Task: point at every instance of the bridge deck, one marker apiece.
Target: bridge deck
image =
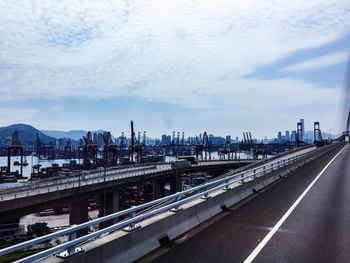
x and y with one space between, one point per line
317 230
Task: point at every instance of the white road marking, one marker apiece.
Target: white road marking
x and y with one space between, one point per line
262 244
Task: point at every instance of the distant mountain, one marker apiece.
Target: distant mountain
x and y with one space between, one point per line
74 134
27 134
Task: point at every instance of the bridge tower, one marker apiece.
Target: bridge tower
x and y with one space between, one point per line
317 132
299 138
318 140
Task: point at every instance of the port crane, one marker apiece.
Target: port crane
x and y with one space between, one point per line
135 146
14 150
89 151
110 150
204 146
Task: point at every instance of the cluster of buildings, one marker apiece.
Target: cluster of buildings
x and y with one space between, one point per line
217 140
291 136
305 136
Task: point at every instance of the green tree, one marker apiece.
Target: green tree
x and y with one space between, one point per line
37 230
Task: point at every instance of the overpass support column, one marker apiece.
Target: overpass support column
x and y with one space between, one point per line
109 204
158 189
175 184
78 213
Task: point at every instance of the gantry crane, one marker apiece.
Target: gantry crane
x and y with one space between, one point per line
89 152
135 146
204 146
110 150
15 149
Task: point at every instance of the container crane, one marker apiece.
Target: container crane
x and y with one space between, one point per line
135 146
204 146
14 150
89 150
110 150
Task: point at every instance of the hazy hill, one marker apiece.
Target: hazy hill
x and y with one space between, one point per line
27 134
74 134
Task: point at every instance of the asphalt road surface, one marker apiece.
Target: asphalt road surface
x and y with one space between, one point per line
305 217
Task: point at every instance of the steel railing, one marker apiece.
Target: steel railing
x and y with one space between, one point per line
179 199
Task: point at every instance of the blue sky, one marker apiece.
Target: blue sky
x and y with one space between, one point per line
219 66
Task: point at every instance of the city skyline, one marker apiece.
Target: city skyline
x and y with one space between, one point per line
286 135
220 67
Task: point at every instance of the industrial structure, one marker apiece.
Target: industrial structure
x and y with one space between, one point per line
204 147
15 149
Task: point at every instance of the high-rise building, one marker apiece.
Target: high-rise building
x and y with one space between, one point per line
287 136
279 136
293 136
164 139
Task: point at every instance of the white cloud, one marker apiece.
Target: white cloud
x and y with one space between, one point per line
324 61
195 54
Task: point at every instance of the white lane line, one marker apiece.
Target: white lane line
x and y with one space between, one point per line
262 244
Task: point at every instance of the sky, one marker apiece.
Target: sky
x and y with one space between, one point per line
223 66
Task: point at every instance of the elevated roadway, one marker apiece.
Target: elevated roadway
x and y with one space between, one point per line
20 201
302 218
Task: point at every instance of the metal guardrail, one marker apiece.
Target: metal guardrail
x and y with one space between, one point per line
179 199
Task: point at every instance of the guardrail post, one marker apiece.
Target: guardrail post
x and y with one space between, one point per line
71 250
132 226
242 178
206 195
176 207
226 184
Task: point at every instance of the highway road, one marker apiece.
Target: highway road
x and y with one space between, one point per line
304 217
